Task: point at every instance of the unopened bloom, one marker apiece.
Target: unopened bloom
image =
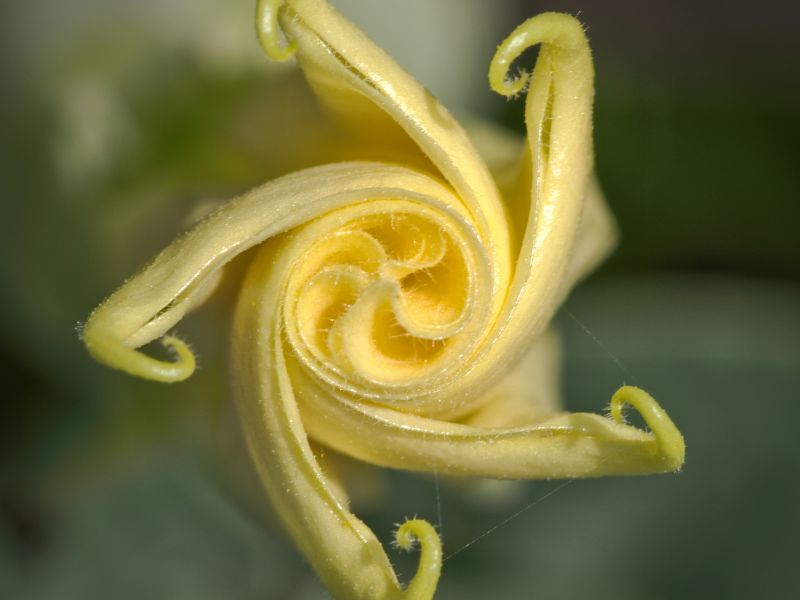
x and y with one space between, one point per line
392 304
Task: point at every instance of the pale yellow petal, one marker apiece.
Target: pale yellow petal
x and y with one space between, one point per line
558 119
149 304
530 392
508 158
344 552
377 100
595 239
564 445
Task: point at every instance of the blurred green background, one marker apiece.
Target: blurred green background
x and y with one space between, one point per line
120 118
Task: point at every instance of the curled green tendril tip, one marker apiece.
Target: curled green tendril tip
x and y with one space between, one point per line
423 585
270 34
559 30
670 441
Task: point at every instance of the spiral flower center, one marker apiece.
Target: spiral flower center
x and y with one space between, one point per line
381 296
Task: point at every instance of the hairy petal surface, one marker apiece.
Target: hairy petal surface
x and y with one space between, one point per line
375 99
390 305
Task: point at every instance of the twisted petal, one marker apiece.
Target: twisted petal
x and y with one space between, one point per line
386 303
183 275
345 553
389 113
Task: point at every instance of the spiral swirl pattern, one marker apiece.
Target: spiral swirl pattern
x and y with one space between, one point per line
387 298
383 301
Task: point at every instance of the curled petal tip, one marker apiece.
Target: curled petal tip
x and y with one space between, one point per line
115 354
269 31
423 585
504 86
560 30
184 362
670 441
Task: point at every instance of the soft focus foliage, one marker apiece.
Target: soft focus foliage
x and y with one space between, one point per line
110 486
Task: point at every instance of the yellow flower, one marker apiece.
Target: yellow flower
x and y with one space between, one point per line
387 300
